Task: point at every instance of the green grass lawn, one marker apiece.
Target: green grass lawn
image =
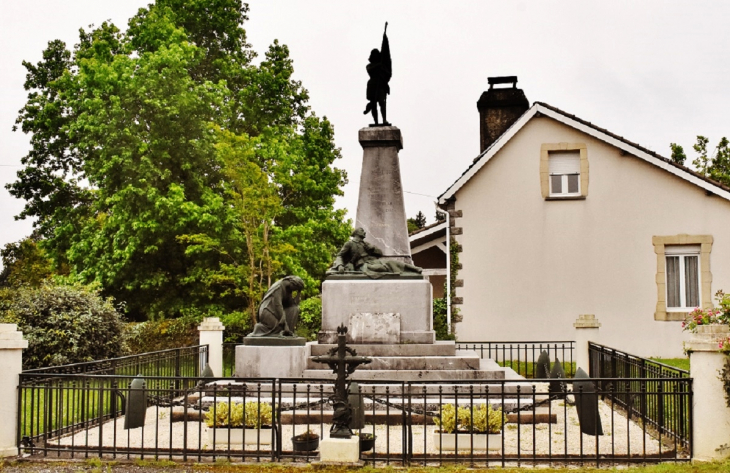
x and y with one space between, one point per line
681 363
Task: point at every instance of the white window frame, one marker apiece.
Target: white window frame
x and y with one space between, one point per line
575 154
683 252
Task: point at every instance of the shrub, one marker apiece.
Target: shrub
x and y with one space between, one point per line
253 415
238 325
447 422
225 415
256 415
713 315
310 318
64 324
481 418
440 325
154 335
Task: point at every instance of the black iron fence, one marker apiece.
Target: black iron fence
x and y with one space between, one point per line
522 356
80 415
180 362
229 359
665 408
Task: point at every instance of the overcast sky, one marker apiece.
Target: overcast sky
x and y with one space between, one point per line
654 72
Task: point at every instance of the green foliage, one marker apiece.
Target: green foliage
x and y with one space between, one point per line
714 164
237 324
440 324
252 415
440 321
154 335
256 415
447 421
416 223
678 155
482 419
24 264
479 419
225 415
712 315
412 227
64 324
179 214
310 318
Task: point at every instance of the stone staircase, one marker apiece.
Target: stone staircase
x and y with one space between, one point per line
411 362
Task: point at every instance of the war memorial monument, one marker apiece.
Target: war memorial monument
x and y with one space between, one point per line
372 288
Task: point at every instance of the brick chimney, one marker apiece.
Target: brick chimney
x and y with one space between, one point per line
499 108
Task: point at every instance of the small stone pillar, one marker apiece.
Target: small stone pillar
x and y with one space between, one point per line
11 365
211 334
711 421
586 330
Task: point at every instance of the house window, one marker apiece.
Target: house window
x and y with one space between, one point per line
683 277
564 169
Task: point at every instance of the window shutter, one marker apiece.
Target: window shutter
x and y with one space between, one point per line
564 162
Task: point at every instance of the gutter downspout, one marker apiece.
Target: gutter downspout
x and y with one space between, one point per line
448 263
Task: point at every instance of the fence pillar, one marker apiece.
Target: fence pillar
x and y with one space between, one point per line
11 365
711 414
586 330
211 334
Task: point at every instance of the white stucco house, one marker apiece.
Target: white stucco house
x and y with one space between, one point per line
557 217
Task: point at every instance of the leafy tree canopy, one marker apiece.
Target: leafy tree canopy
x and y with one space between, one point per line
714 164
171 170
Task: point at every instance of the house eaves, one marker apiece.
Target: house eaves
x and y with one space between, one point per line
543 109
431 232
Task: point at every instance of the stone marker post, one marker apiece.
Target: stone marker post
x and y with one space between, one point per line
211 334
711 415
586 330
11 365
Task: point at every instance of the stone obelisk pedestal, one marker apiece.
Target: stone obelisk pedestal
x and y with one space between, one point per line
380 209
390 310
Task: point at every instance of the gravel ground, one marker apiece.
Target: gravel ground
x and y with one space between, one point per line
621 436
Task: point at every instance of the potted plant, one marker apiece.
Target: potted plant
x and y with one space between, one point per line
367 441
480 426
305 442
225 422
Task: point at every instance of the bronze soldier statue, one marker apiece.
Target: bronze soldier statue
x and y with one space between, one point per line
359 256
380 70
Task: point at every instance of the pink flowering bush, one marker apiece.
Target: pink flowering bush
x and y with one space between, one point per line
714 315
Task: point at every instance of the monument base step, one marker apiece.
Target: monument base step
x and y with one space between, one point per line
410 363
324 387
410 375
440 348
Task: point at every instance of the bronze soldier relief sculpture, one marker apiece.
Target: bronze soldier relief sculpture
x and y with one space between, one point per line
359 256
380 70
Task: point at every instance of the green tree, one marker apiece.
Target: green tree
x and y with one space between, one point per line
24 264
139 117
678 155
714 163
416 223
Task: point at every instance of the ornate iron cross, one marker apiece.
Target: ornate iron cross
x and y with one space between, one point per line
343 361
